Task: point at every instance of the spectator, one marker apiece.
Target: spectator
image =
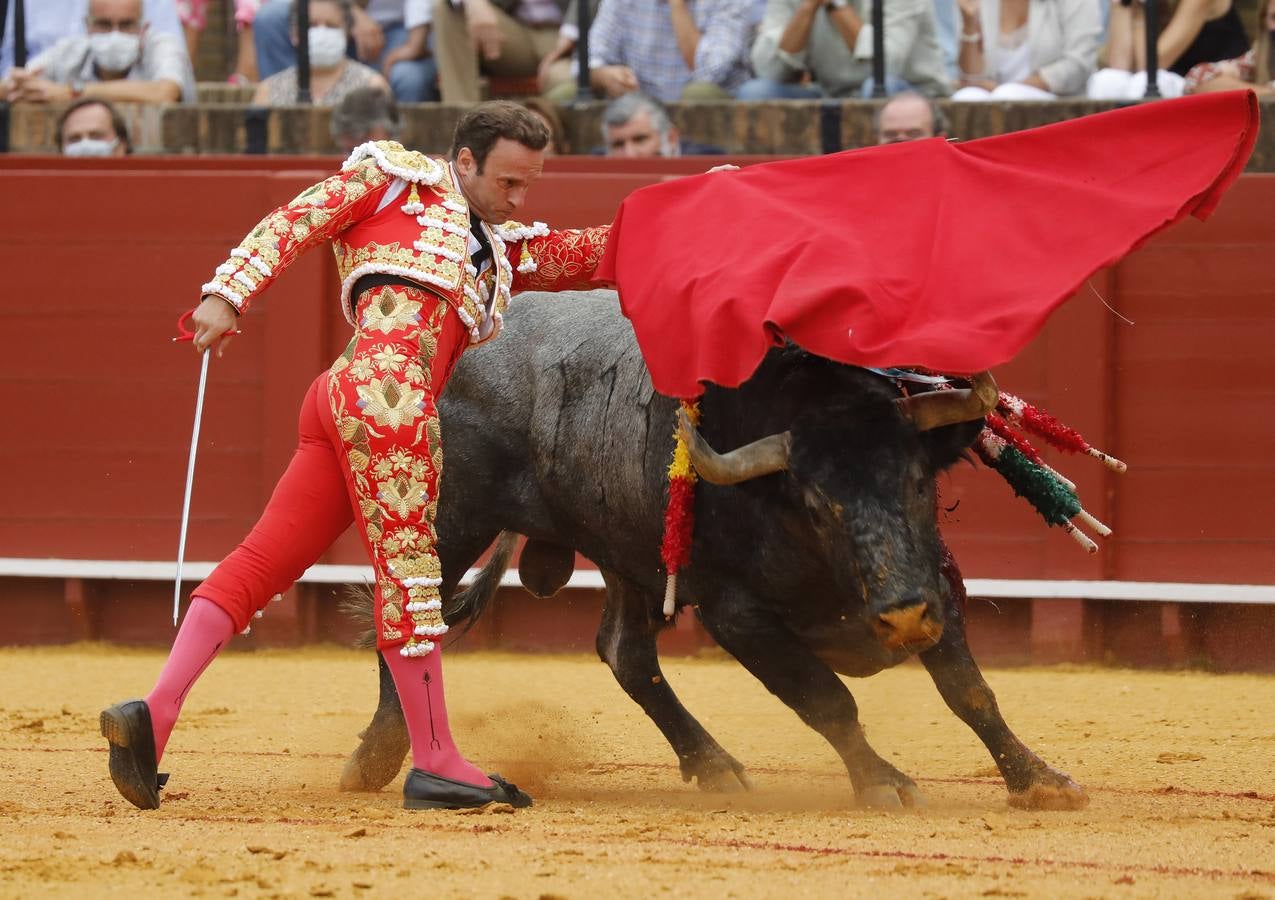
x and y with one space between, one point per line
1251 71
365 114
637 126
120 59
194 18
332 75
548 113
91 127
823 48
909 116
479 36
49 21
1198 31
668 49
634 126
391 35
1040 50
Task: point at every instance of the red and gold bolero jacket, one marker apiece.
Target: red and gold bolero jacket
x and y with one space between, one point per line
399 212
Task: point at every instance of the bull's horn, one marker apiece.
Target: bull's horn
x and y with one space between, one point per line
763 457
938 408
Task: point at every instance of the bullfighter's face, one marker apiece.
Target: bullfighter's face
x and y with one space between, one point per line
498 188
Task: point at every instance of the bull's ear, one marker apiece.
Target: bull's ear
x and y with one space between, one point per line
948 444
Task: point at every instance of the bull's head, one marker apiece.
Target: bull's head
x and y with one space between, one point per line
868 489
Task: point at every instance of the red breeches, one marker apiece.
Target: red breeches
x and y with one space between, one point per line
369 452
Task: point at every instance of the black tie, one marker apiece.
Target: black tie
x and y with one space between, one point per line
483 253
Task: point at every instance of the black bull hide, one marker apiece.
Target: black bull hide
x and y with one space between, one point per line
553 431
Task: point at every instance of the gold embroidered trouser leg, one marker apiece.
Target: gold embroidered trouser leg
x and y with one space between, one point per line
382 391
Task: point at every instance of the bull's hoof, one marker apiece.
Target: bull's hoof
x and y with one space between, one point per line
1054 791
891 796
724 782
376 761
717 772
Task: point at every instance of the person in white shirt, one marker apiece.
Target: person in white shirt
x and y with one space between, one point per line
49 21
120 59
1026 49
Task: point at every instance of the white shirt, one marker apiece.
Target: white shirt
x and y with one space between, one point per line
48 21
408 13
1013 57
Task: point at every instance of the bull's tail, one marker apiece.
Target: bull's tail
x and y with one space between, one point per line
468 604
357 605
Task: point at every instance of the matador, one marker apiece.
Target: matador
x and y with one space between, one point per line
428 258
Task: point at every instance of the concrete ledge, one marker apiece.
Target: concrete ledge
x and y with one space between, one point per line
591 579
781 128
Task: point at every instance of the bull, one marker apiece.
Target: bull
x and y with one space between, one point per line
816 552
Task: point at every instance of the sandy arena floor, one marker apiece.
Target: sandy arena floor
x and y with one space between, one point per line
1179 767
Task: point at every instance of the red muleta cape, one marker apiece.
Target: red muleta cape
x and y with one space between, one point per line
948 256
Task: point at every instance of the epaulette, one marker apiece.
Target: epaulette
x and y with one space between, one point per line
516 231
394 159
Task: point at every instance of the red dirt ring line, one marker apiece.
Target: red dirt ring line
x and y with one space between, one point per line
775 847
1167 790
1092 865
990 782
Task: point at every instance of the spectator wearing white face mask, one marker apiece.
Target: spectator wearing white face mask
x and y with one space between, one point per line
119 59
333 75
49 21
90 127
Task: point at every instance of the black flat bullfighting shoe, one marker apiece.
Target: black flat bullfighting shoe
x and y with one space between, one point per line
127 727
425 790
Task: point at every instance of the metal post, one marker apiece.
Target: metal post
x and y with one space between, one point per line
1153 63
256 120
19 34
584 18
878 48
303 52
19 57
830 126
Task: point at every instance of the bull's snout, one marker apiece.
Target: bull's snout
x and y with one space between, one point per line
912 623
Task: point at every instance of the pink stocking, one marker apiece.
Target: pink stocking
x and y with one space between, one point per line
206 629
419 680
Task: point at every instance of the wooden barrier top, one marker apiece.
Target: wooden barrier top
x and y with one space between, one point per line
783 128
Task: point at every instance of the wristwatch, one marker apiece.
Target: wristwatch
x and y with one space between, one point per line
838 4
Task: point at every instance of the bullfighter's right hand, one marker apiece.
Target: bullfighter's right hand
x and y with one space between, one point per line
213 318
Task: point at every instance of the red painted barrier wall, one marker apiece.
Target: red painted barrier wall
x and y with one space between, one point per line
99 262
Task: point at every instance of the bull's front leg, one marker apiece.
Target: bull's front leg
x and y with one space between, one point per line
1032 783
626 643
790 670
383 745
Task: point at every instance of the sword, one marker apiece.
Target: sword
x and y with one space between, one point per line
190 482
185 334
